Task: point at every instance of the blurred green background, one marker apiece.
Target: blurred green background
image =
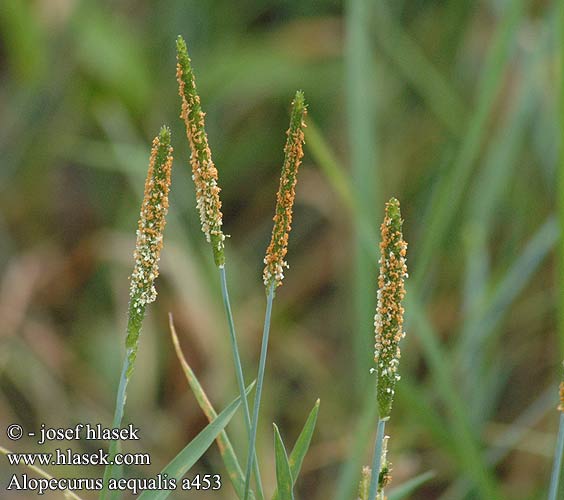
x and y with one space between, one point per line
449 105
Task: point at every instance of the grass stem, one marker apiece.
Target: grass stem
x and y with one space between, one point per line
260 379
377 458
110 470
239 372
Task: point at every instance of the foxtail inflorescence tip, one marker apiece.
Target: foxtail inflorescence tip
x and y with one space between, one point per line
388 320
204 172
275 264
149 235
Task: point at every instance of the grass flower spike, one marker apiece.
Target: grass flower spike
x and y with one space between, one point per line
149 238
145 271
205 177
293 153
388 321
388 324
204 172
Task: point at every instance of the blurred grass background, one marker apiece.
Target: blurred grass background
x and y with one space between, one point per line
449 105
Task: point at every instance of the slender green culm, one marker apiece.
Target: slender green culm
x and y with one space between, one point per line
276 252
239 371
293 153
146 268
388 325
204 172
258 394
558 452
377 459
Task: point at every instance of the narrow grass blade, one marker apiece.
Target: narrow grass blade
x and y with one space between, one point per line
418 70
557 464
234 471
468 451
483 324
302 445
339 180
192 452
284 481
410 486
504 444
500 162
66 493
361 135
496 303
445 203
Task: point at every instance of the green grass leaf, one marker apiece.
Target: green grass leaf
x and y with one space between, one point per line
234 471
418 70
448 195
68 494
468 454
192 452
303 441
284 479
302 445
410 486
